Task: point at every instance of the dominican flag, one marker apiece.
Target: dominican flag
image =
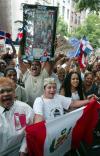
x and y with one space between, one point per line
19 37
81 50
85 50
74 42
58 136
74 53
6 36
82 57
86 46
76 45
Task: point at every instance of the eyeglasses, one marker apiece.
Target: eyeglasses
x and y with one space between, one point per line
3 90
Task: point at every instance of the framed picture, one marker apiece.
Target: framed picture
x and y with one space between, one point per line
39 30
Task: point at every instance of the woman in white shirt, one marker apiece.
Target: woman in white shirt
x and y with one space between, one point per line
72 86
51 105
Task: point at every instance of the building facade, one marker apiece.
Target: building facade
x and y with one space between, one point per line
11 14
5 15
69 14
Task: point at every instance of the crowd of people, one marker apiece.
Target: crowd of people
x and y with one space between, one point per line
33 91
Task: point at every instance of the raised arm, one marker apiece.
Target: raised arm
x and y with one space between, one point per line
23 68
48 66
13 48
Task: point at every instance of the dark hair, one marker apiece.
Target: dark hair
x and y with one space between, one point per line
67 85
88 73
9 69
36 60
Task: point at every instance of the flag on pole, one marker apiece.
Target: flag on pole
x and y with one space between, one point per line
85 50
82 57
58 136
82 48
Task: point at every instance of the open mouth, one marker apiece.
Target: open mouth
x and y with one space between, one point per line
52 94
89 83
7 101
7 98
34 69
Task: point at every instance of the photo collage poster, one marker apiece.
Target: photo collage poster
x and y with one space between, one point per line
39 30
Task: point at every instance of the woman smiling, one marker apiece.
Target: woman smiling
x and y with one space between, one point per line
51 105
72 86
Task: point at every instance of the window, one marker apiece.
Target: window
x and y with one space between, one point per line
75 18
67 13
72 16
78 19
58 4
63 11
37 3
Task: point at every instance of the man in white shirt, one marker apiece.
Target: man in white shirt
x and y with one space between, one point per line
14 116
33 81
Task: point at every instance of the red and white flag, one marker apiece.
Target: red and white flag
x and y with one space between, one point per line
58 136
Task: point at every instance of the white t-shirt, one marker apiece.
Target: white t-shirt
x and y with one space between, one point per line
34 85
75 96
51 108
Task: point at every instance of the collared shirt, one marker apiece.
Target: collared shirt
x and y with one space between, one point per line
12 125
